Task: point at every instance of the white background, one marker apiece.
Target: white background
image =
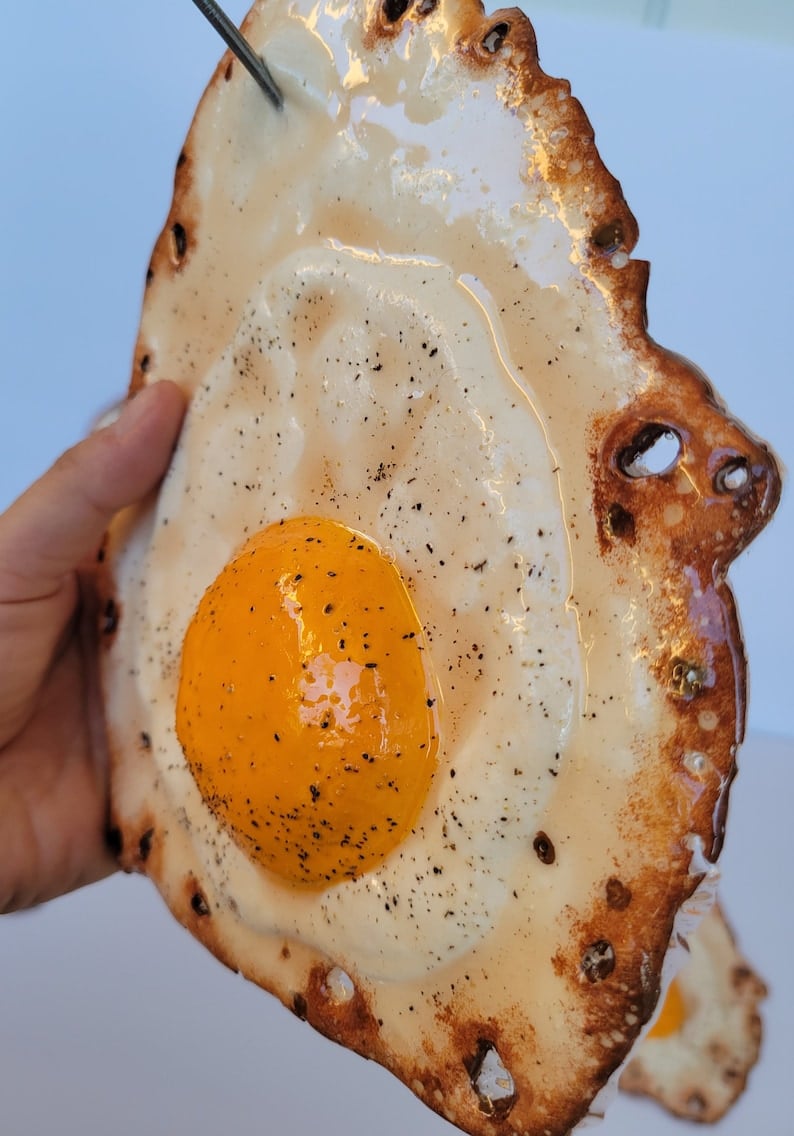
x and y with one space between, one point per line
111 1018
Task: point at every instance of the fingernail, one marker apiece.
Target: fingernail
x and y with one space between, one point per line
107 416
128 414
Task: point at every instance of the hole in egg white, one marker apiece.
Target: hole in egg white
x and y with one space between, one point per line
199 904
608 237
598 961
338 986
654 451
394 10
491 1081
494 40
544 849
732 477
145 845
687 679
179 239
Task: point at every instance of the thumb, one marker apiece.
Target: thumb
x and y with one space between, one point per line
58 523
61 519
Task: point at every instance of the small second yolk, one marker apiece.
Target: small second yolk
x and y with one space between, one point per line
672 1015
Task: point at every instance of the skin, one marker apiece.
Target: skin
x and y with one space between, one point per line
53 768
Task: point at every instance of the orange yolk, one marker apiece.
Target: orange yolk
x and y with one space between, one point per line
673 1014
307 711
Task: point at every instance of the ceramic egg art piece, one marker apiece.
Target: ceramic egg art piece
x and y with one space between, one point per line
424 683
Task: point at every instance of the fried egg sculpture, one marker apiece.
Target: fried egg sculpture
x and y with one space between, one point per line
424 684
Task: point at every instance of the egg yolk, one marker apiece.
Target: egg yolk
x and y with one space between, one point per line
307 709
673 1013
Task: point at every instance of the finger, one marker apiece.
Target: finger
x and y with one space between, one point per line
61 519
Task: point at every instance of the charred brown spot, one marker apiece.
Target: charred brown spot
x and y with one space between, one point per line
687 679
199 903
114 840
598 961
145 845
300 1006
394 10
620 523
149 275
229 71
618 895
181 159
494 39
609 237
110 617
179 238
145 362
286 953
544 849
145 740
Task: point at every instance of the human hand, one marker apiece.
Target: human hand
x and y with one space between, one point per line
53 780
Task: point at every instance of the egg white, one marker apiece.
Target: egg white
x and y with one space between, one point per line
370 389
